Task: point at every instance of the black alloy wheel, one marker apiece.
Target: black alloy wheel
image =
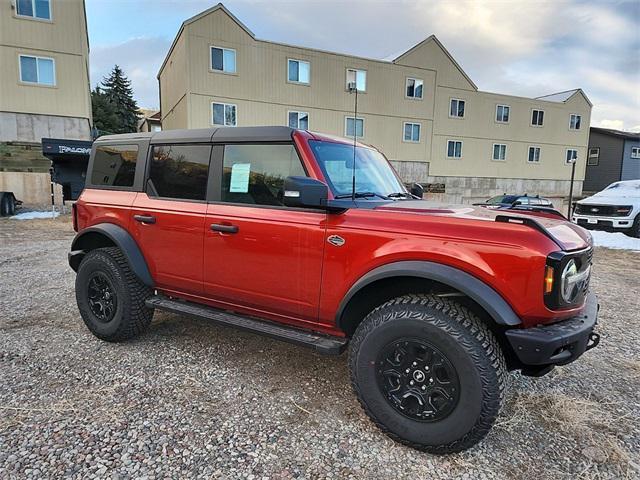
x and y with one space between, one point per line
101 297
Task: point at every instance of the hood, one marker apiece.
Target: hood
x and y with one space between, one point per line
565 234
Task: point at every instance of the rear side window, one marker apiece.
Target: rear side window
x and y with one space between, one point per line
114 165
179 171
255 174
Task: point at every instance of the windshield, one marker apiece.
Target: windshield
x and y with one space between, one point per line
373 172
502 199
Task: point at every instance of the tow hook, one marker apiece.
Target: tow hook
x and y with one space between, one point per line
594 340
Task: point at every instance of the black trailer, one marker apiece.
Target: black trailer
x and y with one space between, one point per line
69 160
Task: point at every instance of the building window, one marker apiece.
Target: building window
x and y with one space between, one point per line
224 114
298 71
534 155
359 77
411 132
571 154
537 117
574 121
499 151
454 149
34 9
594 156
456 108
354 127
38 70
223 60
502 113
299 120
635 152
414 88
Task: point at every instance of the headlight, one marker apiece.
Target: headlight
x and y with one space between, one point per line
568 287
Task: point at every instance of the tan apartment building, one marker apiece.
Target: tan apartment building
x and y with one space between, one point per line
421 109
44 88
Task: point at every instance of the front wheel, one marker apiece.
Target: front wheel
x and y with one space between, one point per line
428 372
110 297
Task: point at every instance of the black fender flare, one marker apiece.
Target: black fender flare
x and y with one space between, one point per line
83 242
476 289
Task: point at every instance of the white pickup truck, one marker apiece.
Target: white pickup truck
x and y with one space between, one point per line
616 208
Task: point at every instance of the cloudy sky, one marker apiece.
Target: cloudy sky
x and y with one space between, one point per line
518 47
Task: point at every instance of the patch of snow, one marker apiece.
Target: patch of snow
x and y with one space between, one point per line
617 240
35 215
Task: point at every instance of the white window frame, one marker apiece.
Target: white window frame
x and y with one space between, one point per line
454 148
566 162
637 154
33 9
534 162
346 77
299 61
496 116
571 115
299 113
457 100
531 117
355 126
493 151
404 124
406 85
235 54
224 113
37 83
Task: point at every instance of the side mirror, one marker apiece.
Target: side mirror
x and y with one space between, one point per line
417 190
305 192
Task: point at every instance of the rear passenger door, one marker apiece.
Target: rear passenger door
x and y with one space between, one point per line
168 216
261 257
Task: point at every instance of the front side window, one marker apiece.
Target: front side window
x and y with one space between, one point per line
359 77
299 120
34 9
635 152
574 121
372 171
255 174
454 149
502 113
223 59
456 108
38 70
354 127
114 165
224 114
537 118
414 88
571 154
179 171
499 151
411 132
299 71
534 155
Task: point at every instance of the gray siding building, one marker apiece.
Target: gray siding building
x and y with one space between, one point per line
612 156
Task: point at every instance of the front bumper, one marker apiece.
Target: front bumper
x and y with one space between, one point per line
602 223
559 343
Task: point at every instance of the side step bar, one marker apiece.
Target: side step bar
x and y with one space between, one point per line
320 343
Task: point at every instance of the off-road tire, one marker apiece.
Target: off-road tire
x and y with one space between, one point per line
7 205
131 315
467 343
634 231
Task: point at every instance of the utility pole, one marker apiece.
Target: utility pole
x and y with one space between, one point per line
573 160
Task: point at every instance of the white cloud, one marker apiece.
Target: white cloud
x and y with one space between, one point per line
614 124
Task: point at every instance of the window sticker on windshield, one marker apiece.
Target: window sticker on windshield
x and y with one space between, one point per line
240 178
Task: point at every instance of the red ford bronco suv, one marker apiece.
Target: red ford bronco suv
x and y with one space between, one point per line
265 229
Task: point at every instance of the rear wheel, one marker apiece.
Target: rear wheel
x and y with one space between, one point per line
110 297
428 372
7 205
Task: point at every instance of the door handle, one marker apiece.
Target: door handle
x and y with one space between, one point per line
216 227
147 219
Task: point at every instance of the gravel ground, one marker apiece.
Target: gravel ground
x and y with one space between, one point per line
192 400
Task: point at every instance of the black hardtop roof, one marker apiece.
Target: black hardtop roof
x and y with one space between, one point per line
214 134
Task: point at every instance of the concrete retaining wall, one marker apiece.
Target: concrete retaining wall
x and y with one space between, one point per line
32 188
28 127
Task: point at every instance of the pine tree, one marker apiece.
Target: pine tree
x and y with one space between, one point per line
121 110
105 119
